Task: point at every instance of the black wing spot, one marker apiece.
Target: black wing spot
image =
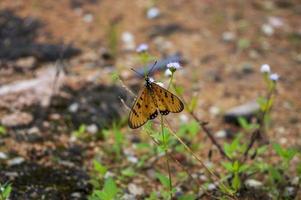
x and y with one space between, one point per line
165 94
172 98
135 112
146 106
138 104
164 112
154 115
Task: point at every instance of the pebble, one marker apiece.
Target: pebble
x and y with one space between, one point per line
33 130
267 29
132 159
252 183
247 68
153 13
246 110
228 36
221 134
93 129
128 197
214 111
184 118
3 156
290 191
27 63
76 195
211 186
17 119
73 108
15 161
128 41
135 189
88 18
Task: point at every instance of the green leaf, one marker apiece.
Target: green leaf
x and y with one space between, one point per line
2 130
164 180
236 183
275 174
99 167
187 197
129 172
110 190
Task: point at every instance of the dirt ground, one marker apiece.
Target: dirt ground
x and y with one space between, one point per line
222 46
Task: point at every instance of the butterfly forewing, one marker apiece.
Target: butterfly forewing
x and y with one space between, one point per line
166 101
143 109
152 100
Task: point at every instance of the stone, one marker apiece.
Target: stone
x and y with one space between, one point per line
17 119
15 161
26 63
153 13
93 129
3 156
228 36
247 111
128 40
135 189
252 183
221 134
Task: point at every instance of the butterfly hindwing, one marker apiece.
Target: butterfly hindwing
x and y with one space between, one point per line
143 109
166 101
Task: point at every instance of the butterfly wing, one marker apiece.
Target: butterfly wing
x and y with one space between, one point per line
143 109
166 101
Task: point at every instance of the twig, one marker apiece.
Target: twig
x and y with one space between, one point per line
258 133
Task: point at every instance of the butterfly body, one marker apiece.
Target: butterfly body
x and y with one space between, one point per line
152 100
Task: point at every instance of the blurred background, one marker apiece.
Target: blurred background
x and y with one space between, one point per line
64 66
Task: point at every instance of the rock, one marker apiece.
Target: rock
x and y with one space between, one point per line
88 18
128 197
247 69
93 129
228 36
252 183
38 90
211 186
214 111
15 161
3 156
76 195
128 41
153 13
221 134
135 189
290 191
17 119
132 159
247 111
267 29
26 63
73 108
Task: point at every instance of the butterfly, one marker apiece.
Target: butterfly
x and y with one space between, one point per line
152 100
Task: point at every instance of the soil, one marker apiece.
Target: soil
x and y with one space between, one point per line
222 46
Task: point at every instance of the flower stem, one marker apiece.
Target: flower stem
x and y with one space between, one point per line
166 155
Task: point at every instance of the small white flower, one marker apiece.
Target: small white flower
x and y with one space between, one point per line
153 13
142 48
168 73
160 84
174 65
151 79
274 77
265 68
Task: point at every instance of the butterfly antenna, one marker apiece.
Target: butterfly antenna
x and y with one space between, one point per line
150 71
137 72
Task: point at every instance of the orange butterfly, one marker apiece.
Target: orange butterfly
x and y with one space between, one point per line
152 100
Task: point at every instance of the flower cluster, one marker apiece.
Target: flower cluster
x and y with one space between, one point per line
171 68
266 69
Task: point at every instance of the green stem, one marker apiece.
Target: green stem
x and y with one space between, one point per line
166 155
170 81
